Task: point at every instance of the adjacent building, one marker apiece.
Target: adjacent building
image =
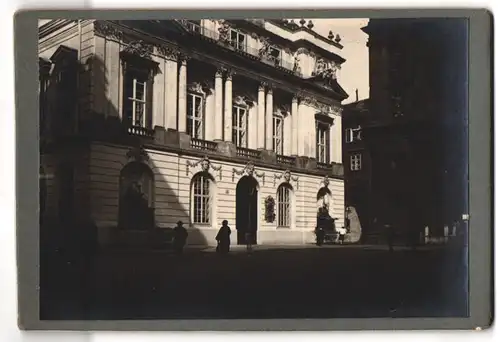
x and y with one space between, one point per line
405 148
147 123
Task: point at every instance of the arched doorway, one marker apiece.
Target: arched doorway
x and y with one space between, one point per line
246 209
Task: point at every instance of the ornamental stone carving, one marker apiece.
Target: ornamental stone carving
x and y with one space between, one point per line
107 30
224 29
139 48
287 176
325 69
205 164
169 52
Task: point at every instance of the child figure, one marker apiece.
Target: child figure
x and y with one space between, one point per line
223 238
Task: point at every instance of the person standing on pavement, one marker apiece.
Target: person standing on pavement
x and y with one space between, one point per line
180 238
223 238
390 236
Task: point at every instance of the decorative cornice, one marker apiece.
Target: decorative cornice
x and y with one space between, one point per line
169 52
183 58
206 165
287 176
139 48
108 30
250 171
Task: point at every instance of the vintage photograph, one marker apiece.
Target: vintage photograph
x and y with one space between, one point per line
253 168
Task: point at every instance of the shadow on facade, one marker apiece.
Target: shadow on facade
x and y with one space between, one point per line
133 200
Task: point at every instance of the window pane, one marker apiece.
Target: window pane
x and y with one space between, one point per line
198 130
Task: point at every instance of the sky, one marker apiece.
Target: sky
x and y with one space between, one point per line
354 73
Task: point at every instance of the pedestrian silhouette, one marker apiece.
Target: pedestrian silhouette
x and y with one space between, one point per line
223 238
180 237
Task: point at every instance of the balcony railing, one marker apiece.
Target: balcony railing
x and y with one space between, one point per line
224 40
285 160
247 153
323 166
203 145
141 131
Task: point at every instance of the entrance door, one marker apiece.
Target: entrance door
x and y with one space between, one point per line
246 209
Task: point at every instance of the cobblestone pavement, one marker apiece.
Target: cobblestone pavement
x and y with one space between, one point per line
272 282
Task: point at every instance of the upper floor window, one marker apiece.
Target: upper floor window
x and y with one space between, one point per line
352 134
237 39
240 118
137 97
275 54
356 162
278 133
195 116
322 142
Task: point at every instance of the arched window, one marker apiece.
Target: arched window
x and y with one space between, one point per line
284 205
201 194
136 197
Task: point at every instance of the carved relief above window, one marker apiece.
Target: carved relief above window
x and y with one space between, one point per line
108 30
200 88
139 48
169 52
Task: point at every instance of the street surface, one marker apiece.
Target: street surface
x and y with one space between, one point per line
274 282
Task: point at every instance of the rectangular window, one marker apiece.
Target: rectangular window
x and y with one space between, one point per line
195 116
356 162
201 196
275 55
136 91
283 207
278 134
352 134
239 137
237 39
322 142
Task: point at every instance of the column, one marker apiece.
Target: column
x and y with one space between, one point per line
269 119
171 73
287 135
261 117
159 95
253 127
181 123
218 125
228 107
333 143
295 126
312 134
301 130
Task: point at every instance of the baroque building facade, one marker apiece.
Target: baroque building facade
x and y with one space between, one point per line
147 123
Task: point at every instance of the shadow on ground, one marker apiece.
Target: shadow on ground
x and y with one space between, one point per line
348 282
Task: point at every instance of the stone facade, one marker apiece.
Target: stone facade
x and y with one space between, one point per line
192 110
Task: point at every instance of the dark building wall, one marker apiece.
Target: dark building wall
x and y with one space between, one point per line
416 133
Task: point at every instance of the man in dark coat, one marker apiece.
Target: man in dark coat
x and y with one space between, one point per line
180 237
223 238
